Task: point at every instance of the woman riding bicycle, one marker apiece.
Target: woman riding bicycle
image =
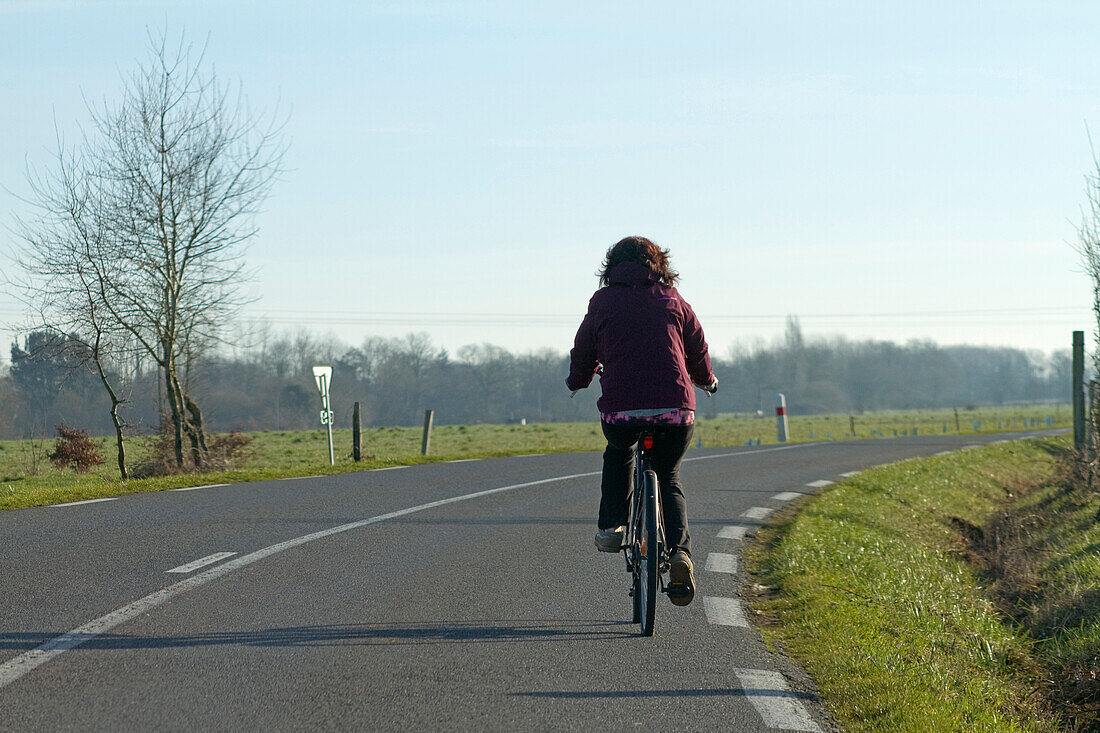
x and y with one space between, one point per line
652 350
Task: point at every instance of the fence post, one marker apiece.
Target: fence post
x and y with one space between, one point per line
356 435
782 427
1079 390
426 444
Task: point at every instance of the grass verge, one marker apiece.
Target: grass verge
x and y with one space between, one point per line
907 594
28 479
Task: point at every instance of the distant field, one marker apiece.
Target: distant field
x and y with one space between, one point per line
27 478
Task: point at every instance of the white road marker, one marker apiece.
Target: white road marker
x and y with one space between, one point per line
757 512
196 488
86 501
720 562
724 612
202 562
819 484
463 460
851 473
770 695
787 496
389 468
733 532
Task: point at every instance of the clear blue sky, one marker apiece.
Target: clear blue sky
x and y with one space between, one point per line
888 170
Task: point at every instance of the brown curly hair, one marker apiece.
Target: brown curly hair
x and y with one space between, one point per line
642 251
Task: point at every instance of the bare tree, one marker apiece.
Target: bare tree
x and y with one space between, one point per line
152 212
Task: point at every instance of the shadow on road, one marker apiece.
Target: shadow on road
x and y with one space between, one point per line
351 635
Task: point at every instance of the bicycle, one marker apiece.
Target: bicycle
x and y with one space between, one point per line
644 545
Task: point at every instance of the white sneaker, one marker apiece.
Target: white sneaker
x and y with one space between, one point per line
610 539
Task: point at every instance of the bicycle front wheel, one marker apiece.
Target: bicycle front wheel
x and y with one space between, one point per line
650 555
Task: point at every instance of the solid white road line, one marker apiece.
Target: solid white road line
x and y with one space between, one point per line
787 496
720 562
202 562
757 512
748 452
86 501
15 668
733 532
770 695
196 488
819 484
724 612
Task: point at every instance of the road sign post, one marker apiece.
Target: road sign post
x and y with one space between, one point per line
322 375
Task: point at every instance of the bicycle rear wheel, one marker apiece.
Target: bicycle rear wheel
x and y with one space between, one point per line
650 555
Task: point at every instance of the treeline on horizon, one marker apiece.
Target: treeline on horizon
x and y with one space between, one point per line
269 386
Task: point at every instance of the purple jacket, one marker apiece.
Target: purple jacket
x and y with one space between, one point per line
649 342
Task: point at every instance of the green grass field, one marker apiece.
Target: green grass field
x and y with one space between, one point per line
953 593
27 478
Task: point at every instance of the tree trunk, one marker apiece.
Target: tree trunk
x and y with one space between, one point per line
196 421
172 391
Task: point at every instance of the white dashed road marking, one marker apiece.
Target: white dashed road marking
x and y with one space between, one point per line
202 562
86 501
787 496
757 512
819 484
778 706
389 468
850 474
720 562
732 532
724 612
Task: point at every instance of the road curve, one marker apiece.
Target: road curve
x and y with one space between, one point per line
461 596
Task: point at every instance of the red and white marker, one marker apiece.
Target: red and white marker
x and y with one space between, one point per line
781 426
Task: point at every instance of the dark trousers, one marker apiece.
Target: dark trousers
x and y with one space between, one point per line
618 467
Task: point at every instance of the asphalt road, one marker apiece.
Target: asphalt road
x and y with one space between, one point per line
394 600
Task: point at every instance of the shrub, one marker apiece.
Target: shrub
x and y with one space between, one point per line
74 449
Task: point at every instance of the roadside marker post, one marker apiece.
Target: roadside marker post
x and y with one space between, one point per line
782 427
1079 390
322 375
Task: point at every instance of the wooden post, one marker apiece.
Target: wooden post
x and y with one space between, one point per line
426 444
356 435
1079 390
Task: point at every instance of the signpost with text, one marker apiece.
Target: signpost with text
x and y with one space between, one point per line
323 376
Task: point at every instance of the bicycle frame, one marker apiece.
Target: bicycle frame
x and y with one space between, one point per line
644 589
